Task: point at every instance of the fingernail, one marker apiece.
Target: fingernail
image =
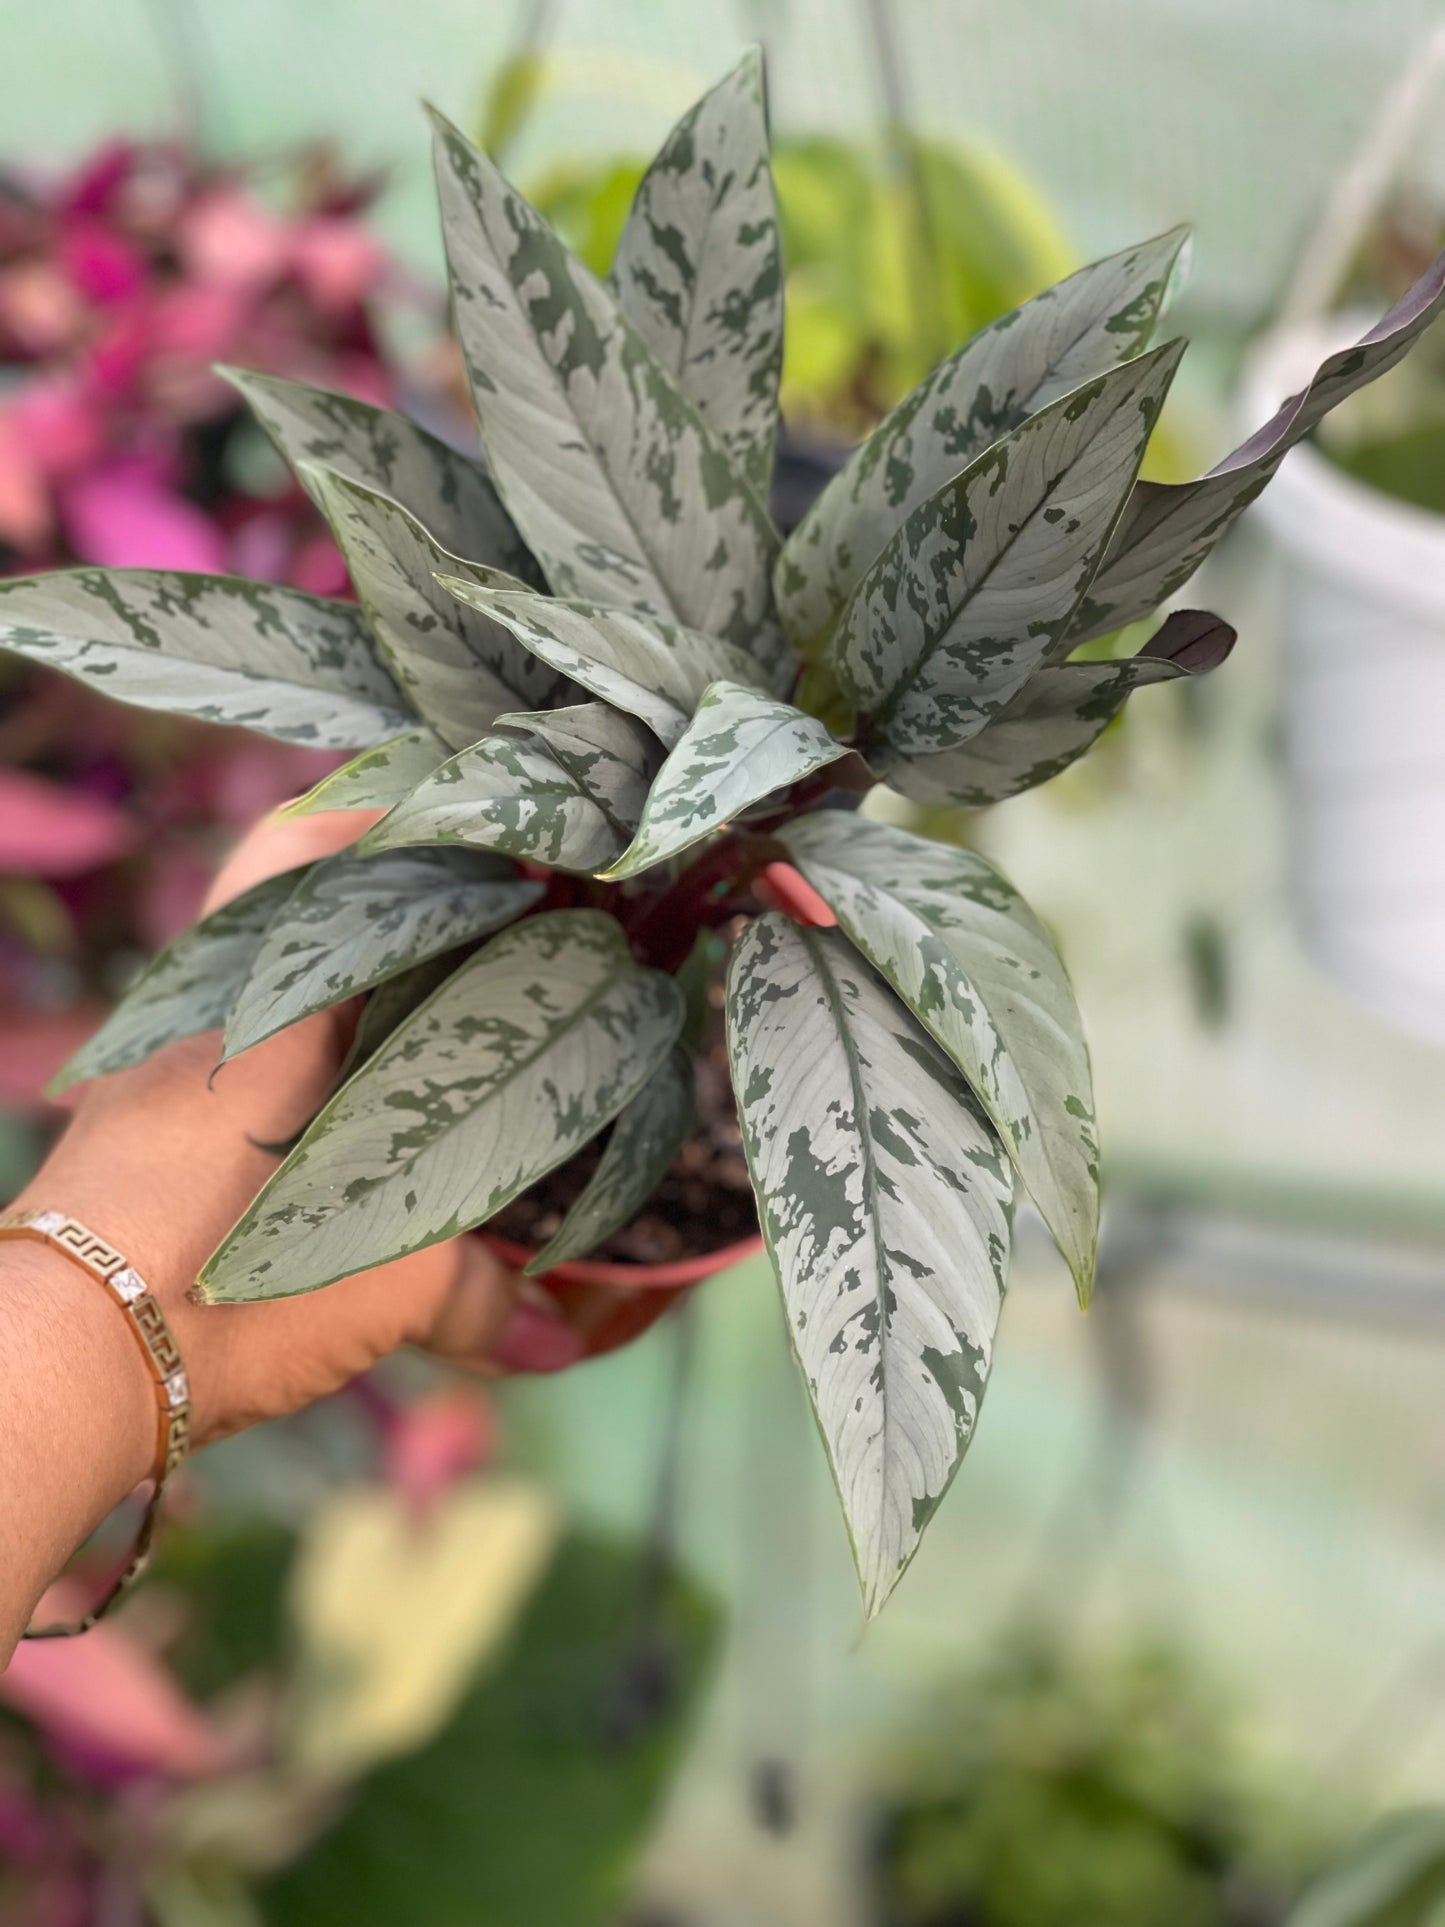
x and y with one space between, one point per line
537 1338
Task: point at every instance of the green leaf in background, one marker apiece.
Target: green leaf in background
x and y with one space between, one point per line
967 599
615 480
448 493
886 1203
376 778
357 919
534 1804
1393 1877
981 974
1169 528
190 987
298 667
654 670
699 269
516 1062
645 1139
459 670
1098 318
563 787
1057 715
740 747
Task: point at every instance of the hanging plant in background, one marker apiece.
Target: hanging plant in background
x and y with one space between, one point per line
571 675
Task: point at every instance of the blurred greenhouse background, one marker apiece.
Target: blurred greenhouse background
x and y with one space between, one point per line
1207 1522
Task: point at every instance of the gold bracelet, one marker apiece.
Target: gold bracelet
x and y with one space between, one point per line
147 1322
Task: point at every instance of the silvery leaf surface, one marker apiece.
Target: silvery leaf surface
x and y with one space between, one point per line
460 670
622 491
1097 318
978 585
740 747
188 988
655 671
376 778
979 971
699 267
1169 528
521 1057
886 1204
564 787
391 1003
448 492
1057 715
645 1139
359 918
298 667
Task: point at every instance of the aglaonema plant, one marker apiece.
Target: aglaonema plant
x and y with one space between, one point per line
606 710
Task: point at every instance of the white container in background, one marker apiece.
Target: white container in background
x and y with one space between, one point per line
1362 609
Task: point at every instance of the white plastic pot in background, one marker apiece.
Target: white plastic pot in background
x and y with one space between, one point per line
1362 608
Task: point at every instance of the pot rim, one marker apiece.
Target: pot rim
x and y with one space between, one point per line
603 1271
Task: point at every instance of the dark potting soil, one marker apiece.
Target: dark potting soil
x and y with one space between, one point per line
704 1202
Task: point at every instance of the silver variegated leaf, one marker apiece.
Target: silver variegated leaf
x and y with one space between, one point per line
376 778
740 747
886 1203
390 1004
190 987
1170 527
699 268
460 670
1065 336
653 670
360 918
979 583
564 787
518 1060
645 1139
620 488
1057 715
447 492
299 667
981 974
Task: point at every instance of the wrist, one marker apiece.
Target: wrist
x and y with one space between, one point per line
77 1415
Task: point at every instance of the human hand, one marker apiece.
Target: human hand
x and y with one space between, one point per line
160 1160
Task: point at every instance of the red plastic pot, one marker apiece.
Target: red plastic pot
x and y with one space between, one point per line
611 1304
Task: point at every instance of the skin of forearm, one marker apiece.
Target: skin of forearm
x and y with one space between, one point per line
77 1421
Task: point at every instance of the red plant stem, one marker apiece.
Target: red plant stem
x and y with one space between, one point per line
663 934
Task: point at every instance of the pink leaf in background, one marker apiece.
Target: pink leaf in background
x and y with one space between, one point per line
112 1707
24 498
102 264
337 261
429 1445
49 831
117 518
33 1046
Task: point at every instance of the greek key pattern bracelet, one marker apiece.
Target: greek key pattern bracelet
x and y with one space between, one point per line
109 1268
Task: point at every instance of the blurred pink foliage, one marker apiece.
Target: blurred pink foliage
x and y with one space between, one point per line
120 284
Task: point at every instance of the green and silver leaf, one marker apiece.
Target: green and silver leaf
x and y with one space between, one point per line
298 667
1097 318
518 1060
980 582
653 670
740 747
449 493
645 1139
460 670
981 974
360 918
1057 715
699 267
188 988
377 778
623 492
886 1203
1169 528
564 787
